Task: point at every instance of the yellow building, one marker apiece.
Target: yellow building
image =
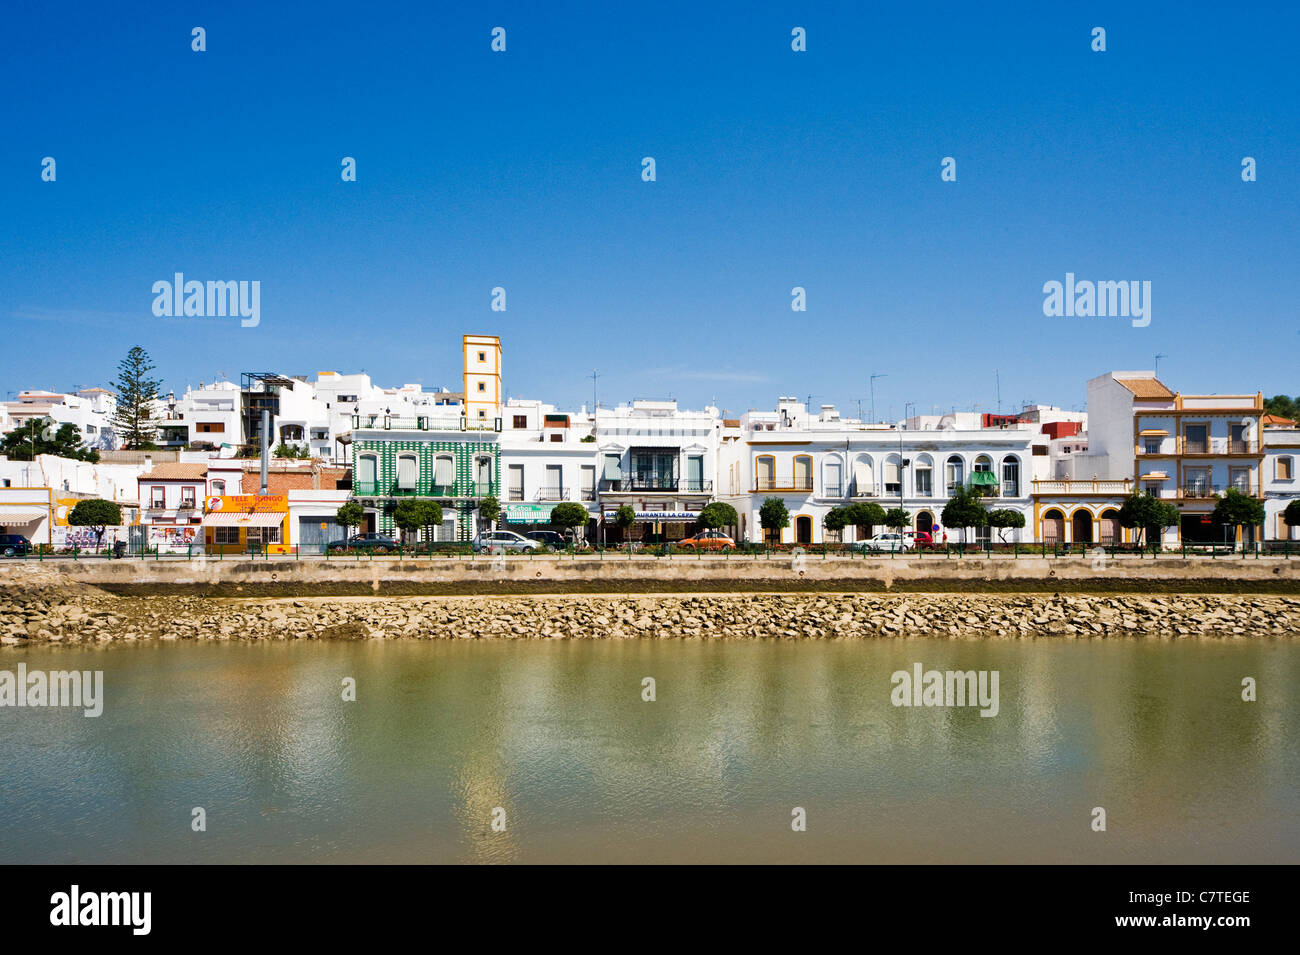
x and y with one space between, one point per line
482 382
247 523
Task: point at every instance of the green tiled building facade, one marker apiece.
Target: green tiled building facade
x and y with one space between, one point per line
460 496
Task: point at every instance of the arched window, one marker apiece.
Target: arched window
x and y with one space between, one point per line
1109 532
444 470
954 473
483 473
1053 527
832 478
366 472
1011 476
892 476
923 477
408 471
864 479
802 472
765 471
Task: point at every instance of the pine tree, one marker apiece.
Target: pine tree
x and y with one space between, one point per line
136 393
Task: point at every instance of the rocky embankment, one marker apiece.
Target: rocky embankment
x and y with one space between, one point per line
85 614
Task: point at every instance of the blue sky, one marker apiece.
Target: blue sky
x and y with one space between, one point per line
775 169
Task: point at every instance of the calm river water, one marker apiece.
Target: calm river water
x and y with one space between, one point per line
558 736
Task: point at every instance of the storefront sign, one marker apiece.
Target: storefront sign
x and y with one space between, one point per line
528 513
661 515
249 502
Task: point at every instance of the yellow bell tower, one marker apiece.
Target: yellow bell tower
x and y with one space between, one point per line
482 381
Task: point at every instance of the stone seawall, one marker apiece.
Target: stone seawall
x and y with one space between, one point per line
521 576
79 615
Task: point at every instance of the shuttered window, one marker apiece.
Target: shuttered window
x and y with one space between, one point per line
613 471
366 469
407 472
863 482
831 479
444 471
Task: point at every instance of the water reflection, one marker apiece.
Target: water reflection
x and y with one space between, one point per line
558 736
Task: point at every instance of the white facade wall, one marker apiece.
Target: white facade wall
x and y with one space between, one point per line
89 411
817 464
660 460
1280 479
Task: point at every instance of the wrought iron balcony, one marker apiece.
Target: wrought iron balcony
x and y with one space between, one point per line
792 483
384 422
655 483
1200 490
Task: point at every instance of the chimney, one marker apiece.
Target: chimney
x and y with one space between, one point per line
266 445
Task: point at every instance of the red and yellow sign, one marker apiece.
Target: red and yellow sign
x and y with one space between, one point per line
255 523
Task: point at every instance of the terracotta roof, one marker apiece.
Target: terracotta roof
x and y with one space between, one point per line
1146 387
175 471
1277 421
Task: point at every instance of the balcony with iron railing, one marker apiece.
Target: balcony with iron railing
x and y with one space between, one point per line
794 482
384 422
551 492
1217 445
1203 490
655 483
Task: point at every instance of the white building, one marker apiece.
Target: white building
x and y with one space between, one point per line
39 495
89 410
1181 447
1280 479
660 460
816 463
172 501
547 457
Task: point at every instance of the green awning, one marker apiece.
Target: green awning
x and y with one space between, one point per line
528 513
983 477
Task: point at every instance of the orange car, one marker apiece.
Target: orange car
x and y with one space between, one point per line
707 540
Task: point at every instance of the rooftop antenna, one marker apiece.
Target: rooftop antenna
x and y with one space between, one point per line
593 376
997 377
1156 363
873 395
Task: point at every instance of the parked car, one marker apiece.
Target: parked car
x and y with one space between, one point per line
548 538
707 540
14 545
507 540
920 539
884 542
376 543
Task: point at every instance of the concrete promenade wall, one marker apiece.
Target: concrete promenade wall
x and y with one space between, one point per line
736 573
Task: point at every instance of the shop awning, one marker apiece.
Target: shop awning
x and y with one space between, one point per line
1154 476
528 513
987 478
244 519
1154 433
16 517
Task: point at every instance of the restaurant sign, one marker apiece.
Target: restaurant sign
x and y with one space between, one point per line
661 515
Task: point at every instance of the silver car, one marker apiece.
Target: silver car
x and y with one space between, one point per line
895 543
503 540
